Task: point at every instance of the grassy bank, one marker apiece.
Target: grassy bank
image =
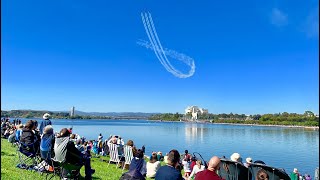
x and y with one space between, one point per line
9 160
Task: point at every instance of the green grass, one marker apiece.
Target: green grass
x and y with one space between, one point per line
9 160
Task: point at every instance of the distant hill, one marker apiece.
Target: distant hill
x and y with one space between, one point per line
39 113
115 114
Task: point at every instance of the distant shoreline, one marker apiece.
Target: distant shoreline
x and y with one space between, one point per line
267 125
271 125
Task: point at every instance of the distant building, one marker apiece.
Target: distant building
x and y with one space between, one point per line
248 117
72 112
195 111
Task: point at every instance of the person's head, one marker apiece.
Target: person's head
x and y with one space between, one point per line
29 125
249 160
139 154
173 157
262 175
114 140
35 124
78 142
236 157
193 158
295 170
46 116
213 164
199 163
130 143
20 126
72 136
186 151
153 158
64 132
48 130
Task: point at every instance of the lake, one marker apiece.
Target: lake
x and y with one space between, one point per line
280 147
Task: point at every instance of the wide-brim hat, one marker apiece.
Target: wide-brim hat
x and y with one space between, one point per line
235 157
46 116
249 160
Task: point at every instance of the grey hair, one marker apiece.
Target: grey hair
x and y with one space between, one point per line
48 129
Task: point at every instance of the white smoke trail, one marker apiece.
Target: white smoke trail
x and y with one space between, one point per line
151 38
155 43
161 53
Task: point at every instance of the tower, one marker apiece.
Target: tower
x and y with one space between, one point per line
72 111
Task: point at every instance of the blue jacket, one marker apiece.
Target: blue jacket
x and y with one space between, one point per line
43 124
47 142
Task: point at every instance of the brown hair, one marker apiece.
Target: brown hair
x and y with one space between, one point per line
130 143
262 175
153 158
139 153
29 125
64 132
173 157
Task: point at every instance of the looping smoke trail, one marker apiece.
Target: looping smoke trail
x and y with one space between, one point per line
161 53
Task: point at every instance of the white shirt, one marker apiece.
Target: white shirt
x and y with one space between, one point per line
195 170
152 168
186 166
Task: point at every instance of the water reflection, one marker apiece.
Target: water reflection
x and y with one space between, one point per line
193 133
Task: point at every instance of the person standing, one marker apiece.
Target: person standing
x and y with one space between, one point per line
45 122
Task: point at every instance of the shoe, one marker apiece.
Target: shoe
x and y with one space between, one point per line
93 171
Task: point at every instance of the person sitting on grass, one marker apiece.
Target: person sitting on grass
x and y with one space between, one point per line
153 165
210 173
186 166
197 168
171 170
159 156
79 145
12 135
65 151
193 162
19 132
138 163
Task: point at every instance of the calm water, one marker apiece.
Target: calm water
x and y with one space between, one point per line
277 146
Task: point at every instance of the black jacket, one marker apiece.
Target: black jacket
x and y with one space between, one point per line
27 137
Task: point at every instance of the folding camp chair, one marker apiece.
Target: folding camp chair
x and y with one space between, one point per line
273 173
27 156
66 169
230 170
128 155
114 156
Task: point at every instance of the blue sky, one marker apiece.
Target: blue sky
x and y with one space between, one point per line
250 56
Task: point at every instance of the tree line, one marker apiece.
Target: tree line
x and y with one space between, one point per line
285 118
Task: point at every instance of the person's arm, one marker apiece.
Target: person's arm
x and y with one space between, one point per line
193 172
41 127
158 166
144 168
